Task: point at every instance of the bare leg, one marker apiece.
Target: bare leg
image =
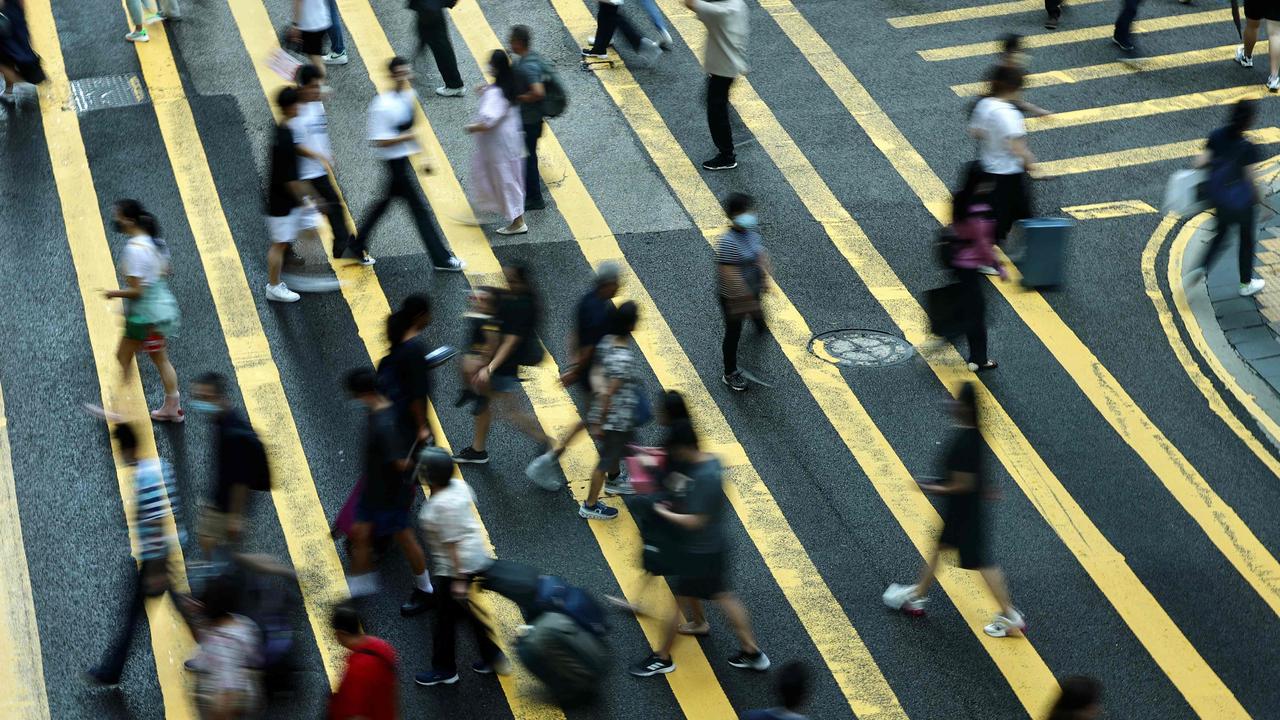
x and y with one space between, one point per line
522 420
1250 36
168 376
124 355
597 483
740 621
483 421
275 261
928 572
412 551
693 611
669 632
361 552
995 580
564 444
1273 46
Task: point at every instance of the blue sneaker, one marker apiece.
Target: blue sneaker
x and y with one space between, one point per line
599 511
435 677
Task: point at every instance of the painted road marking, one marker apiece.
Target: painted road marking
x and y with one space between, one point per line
1131 66
973 13
171 642
22 690
1145 108
302 518
695 685
1106 210
1171 650
1030 678
1141 156
1066 37
369 308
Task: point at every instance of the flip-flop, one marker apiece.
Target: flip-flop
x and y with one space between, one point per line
158 416
687 629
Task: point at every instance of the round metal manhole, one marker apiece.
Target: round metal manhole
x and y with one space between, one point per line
861 348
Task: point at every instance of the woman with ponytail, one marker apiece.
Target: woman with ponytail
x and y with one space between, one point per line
404 375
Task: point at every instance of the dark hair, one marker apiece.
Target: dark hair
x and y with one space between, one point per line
1011 43
1078 692
287 97
308 74
220 597
522 274
737 203
968 399
415 306
1242 114
681 435
345 618
399 322
503 76
623 320
972 178
396 63
1006 79
435 466
133 211
522 34
361 381
216 382
674 408
793 685
126 438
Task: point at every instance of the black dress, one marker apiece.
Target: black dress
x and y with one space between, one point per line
964 525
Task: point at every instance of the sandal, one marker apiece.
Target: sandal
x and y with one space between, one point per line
988 365
175 418
695 630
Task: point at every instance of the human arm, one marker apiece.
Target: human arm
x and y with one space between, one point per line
702 8
505 348
1031 110
132 291
683 521
294 33
961 482
535 90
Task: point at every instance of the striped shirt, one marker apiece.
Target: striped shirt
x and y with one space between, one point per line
737 248
157 496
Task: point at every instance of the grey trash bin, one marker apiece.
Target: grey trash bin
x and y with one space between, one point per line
1043 259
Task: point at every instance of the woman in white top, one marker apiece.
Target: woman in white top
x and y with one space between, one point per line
998 126
151 313
497 165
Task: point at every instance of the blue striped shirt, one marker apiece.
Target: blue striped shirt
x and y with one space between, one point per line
156 498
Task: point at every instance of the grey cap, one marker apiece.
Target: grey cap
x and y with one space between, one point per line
607 272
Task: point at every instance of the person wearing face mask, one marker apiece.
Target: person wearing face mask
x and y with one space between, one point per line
497 165
742 266
239 456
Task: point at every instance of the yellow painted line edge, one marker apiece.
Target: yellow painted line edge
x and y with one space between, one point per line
1106 210
1131 157
976 12
1147 108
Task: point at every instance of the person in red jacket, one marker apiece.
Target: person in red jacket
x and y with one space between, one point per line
369 689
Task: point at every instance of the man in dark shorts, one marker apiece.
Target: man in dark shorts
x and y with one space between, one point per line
698 508
387 498
1255 11
311 22
238 451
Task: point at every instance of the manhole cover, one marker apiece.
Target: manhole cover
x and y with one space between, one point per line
861 348
111 91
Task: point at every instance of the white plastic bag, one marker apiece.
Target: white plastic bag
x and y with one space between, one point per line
1182 193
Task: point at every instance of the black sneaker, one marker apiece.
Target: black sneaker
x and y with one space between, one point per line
418 603
591 54
720 162
1126 46
472 456
652 665
757 661
1051 23
735 381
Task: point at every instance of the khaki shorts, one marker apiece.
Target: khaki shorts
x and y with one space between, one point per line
214 526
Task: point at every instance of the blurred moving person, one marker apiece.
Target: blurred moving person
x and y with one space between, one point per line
724 59
1255 11
155 500
973 222
228 684
998 126
742 269
531 72
369 689
793 692
1232 188
337 43
310 24
404 375
290 205
146 12
1081 699
964 523
497 164
609 20
614 412
433 32
19 62
315 154
240 464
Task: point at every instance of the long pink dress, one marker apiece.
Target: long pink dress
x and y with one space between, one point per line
497 165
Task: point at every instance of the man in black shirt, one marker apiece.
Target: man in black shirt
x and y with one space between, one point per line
387 498
238 451
404 375
289 209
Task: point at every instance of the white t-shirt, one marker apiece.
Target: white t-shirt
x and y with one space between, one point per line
449 517
314 16
311 131
1000 122
389 116
142 260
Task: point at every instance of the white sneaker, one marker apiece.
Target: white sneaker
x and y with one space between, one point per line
453 264
334 58
1273 83
649 51
138 36
1253 287
903 597
542 471
1004 626
508 230
154 18
444 91
282 293
1244 60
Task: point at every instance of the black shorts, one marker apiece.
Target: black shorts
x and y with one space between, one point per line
313 42
711 580
1262 9
613 447
1011 202
971 541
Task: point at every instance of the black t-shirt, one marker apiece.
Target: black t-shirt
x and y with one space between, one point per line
594 318
284 170
517 315
385 443
413 377
704 495
232 440
965 456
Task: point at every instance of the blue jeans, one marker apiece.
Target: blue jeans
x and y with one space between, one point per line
651 9
336 43
1125 20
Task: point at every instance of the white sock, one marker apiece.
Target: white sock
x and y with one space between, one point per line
423 581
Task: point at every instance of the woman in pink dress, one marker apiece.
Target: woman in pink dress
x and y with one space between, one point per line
497 165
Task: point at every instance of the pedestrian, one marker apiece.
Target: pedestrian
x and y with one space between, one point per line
793 692
1232 188
1012 56
386 501
518 315
433 32
1255 11
697 509
315 156
459 552
311 22
368 689
724 59
1122 36
973 223
337 43
1000 130
659 22
228 682
614 411
150 309
155 497
964 523
531 72
1080 699
391 122
146 12
497 164
18 61
404 376
611 19
290 204
742 269
482 338
240 463
1053 13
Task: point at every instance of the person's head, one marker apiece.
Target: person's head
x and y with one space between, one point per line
607 279
1011 43
414 315
346 625
1242 114
310 80
674 408
741 207
481 299
435 468
1081 699
682 441
965 407
362 385
1006 81
517 275
520 40
793 686
129 217
287 99
503 76
127 441
623 320
209 394
400 70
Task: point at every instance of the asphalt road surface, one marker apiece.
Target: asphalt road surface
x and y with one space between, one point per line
1136 527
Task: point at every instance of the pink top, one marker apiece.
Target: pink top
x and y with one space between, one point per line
977 235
